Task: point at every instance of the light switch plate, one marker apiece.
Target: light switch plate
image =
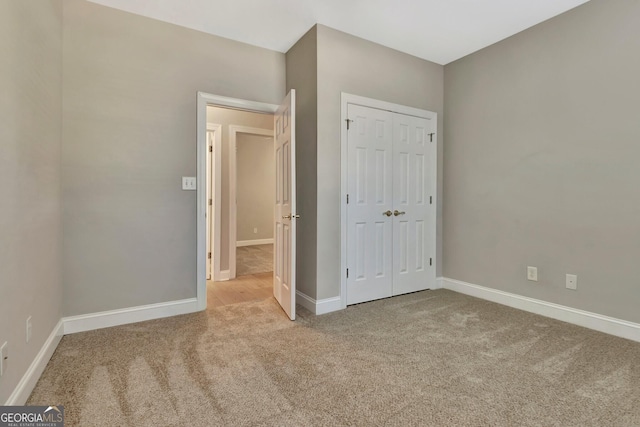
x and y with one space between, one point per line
188 182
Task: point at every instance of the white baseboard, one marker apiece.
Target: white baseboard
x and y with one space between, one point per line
318 307
89 322
254 242
439 283
24 388
224 276
598 322
328 305
106 319
306 301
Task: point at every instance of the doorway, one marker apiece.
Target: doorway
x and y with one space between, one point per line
247 198
251 195
278 124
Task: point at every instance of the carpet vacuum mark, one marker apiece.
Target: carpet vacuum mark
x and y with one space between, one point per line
433 358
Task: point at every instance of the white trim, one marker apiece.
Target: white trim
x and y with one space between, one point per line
306 301
107 319
344 167
224 276
241 243
26 385
319 307
328 305
238 104
203 99
234 130
439 283
346 99
598 322
216 196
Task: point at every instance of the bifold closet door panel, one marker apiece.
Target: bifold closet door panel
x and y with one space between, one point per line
412 237
369 218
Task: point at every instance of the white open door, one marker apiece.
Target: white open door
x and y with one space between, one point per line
284 251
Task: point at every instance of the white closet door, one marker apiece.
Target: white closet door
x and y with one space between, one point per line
369 220
414 212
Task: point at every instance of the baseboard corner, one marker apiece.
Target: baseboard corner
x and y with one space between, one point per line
29 380
306 301
319 307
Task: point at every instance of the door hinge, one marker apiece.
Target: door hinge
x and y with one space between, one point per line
209 255
347 273
211 148
348 121
210 202
430 261
430 200
347 199
431 136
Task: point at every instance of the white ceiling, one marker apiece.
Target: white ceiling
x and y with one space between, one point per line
437 30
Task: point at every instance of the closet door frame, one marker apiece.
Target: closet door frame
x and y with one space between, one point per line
347 99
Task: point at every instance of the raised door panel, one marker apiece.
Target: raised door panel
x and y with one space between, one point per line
369 185
413 268
285 207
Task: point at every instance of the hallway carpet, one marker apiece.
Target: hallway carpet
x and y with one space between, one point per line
433 358
248 288
254 259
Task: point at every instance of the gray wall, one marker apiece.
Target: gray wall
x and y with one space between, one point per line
226 117
302 75
256 186
129 135
30 213
353 65
541 161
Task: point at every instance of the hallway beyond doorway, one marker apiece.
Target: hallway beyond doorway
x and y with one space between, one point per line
254 259
252 287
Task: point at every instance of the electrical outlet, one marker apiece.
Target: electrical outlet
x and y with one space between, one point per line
28 328
572 281
532 274
4 356
255 230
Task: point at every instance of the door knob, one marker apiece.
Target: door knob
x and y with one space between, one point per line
387 213
290 216
397 212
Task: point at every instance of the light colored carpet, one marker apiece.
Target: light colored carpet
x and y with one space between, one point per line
434 358
248 288
254 259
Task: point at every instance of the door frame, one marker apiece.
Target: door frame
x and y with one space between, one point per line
345 100
203 100
234 130
216 185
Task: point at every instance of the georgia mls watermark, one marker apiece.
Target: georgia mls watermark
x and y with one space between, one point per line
31 416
